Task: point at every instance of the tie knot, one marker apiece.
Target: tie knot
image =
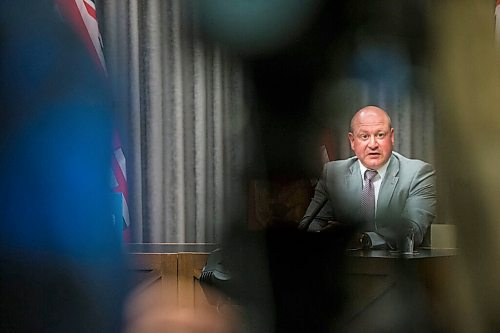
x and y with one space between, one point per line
370 174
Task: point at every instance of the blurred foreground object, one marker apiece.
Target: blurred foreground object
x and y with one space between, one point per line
256 27
466 73
148 311
60 258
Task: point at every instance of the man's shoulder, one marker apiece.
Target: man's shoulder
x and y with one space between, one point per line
410 163
341 164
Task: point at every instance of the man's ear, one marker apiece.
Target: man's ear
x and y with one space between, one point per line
392 136
350 136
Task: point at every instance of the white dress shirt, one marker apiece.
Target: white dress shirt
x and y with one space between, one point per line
377 180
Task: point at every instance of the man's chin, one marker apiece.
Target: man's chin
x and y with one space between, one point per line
373 163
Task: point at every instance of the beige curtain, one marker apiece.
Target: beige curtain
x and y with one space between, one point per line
179 101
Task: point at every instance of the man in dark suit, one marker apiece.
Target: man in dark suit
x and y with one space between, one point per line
381 193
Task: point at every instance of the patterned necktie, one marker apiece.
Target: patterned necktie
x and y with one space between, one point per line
368 198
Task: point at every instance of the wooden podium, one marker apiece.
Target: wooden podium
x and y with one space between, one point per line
176 267
382 284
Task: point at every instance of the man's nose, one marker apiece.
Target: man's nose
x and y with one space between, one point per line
372 143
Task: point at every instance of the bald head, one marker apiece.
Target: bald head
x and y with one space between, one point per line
369 112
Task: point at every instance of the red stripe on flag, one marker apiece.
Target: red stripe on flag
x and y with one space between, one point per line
120 179
71 11
127 237
90 10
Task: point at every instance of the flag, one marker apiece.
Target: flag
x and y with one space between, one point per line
83 16
119 182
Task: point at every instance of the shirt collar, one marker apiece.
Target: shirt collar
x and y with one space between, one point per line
381 171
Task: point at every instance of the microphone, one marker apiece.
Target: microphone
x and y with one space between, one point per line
215 276
304 224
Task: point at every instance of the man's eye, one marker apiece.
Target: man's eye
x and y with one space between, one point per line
363 136
381 135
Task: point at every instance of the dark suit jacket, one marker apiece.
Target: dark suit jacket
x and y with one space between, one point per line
407 197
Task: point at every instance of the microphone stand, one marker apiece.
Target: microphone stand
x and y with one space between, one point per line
304 224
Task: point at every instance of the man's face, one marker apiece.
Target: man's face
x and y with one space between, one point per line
372 138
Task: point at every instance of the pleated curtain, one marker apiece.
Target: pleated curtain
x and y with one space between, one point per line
179 100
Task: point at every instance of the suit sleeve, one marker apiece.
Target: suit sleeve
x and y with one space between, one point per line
420 207
326 213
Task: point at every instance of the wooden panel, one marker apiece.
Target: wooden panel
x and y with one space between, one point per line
376 284
169 274
144 261
178 274
146 270
189 290
370 266
368 280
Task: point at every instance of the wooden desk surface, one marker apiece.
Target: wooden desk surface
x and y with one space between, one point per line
172 248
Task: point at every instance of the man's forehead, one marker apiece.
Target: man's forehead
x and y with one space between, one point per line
371 122
364 126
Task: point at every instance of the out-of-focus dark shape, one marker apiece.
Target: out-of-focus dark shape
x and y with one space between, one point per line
465 71
147 311
282 82
383 65
61 260
256 27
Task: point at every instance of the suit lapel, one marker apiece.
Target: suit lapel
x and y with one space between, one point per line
353 178
354 186
388 185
